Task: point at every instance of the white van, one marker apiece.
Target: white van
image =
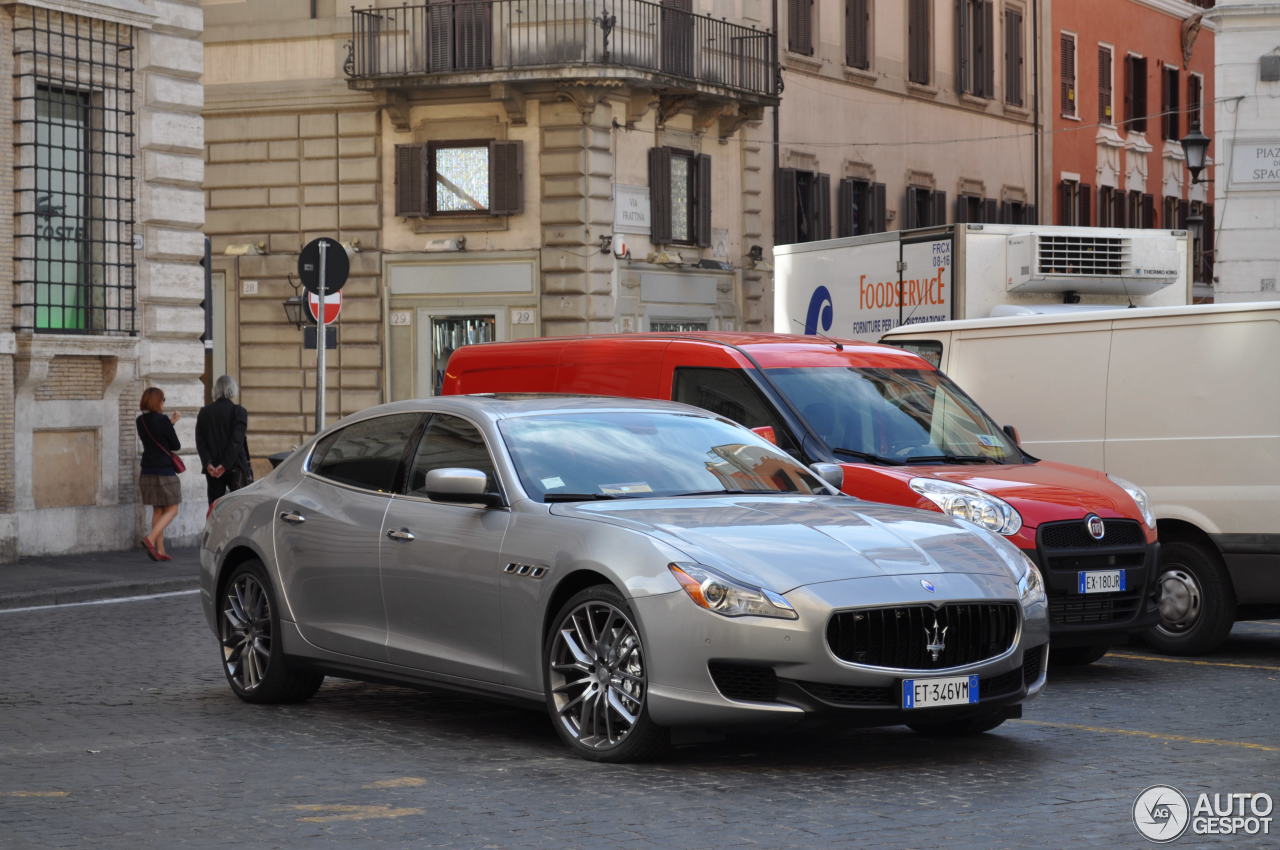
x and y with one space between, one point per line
1184 401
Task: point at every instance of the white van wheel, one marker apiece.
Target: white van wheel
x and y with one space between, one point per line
1197 606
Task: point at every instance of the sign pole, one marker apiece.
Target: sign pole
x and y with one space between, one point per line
322 338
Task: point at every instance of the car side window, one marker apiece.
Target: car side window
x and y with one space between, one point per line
366 454
449 441
730 393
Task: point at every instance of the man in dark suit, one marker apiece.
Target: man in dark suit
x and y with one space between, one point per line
220 440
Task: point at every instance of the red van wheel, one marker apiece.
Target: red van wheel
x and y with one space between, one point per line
1197 605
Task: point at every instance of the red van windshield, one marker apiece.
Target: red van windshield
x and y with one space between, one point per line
894 415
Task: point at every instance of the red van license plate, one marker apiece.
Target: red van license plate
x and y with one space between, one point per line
1102 581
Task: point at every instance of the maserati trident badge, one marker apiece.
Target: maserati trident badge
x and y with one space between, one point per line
936 639
928 585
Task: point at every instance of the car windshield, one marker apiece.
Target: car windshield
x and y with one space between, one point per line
896 416
577 456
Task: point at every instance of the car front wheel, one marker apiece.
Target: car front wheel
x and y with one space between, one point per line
253 658
596 679
1197 605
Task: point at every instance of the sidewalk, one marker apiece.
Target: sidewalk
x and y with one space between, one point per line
89 576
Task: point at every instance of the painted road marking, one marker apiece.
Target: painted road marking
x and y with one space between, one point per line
1192 661
99 601
400 782
340 813
1155 736
34 794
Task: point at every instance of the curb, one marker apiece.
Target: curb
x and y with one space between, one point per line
96 592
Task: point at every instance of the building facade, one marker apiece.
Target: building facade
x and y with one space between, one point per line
496 169
100 296
899 114
1246 146
1131 79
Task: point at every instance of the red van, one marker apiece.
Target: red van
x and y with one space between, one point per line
903 434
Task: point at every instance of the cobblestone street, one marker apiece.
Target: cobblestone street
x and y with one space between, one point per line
121 732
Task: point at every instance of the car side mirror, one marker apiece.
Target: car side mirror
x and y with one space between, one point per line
832 473
767 432
1013 435
464 486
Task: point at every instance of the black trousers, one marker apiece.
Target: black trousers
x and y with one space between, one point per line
217 487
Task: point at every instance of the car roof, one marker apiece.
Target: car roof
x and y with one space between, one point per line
497 406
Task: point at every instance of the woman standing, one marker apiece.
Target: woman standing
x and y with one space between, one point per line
161 488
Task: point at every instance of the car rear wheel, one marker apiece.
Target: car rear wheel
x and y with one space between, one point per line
253 658
959 726
1197 605
1076 656
596 679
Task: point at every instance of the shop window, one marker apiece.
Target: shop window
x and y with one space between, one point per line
679 197
451 178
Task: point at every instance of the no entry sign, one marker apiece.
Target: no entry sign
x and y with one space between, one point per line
332 306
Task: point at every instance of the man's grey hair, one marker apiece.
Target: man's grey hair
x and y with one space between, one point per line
226 387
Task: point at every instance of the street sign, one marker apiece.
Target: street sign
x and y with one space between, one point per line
311 333
332 306
336 265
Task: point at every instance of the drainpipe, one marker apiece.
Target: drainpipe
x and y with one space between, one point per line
777 70
1035 109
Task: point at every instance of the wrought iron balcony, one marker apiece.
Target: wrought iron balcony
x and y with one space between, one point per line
506 40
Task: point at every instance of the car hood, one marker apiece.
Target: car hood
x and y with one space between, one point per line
1040 492
781 543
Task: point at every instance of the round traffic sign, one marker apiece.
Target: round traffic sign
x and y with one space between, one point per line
336 265
332 306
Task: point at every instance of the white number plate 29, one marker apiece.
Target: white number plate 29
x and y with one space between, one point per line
927 693
1102 581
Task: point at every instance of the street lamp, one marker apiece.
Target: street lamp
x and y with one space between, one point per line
1195 145
294 310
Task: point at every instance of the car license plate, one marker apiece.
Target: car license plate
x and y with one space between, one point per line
1102 581
927 693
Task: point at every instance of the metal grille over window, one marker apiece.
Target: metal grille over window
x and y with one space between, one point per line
74 222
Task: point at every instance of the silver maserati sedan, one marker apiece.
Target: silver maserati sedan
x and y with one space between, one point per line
633 565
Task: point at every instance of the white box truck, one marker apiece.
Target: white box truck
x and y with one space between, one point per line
1184 401
860 287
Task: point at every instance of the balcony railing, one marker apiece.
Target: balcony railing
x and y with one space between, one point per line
475 36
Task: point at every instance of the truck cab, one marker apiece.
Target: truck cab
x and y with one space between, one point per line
900 430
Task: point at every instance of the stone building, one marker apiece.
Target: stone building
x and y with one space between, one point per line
1246 150
100 296
496 169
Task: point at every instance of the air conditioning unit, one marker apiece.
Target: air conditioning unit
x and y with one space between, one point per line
1097 261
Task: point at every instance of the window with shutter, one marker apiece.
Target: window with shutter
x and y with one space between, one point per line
990 211
1195 89
506 178
857 33
1067 69
1148 211
879 213
1207 257
964 46
1084 205
1135 94
1169 123
821 200
1105 206
919 41
860 207
786 206
660 195
411 180
938 209
459 181
848 207
986 49
1013 58
702 200
1105 108
800 26
677 37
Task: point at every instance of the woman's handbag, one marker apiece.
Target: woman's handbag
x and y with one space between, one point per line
178 465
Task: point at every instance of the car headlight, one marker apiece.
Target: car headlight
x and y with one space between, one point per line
722 595
1139 497
960 500
1030 584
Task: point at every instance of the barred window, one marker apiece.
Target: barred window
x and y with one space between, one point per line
74 222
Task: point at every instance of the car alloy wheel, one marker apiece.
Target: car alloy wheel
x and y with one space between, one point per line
246 632
596 675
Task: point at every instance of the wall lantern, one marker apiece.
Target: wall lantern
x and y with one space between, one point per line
1196 147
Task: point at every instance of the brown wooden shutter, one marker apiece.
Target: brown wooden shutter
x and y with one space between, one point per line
964 46
987 48
472 34
1105 107
1013 59
1148 210
785 218
1169 122
1207 256
440 35
411 180
822 206
659 195
1184 210
938 208
1067 55
506 178
845 222
702 201
1193 101
990 211
800 26
857 34
918 41
962 209
1029 214
1084 198
879 213
1066 200
1136 96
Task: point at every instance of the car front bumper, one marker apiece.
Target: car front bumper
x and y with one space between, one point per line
707 669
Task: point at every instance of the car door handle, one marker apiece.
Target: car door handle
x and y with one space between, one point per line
296 519
401 534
